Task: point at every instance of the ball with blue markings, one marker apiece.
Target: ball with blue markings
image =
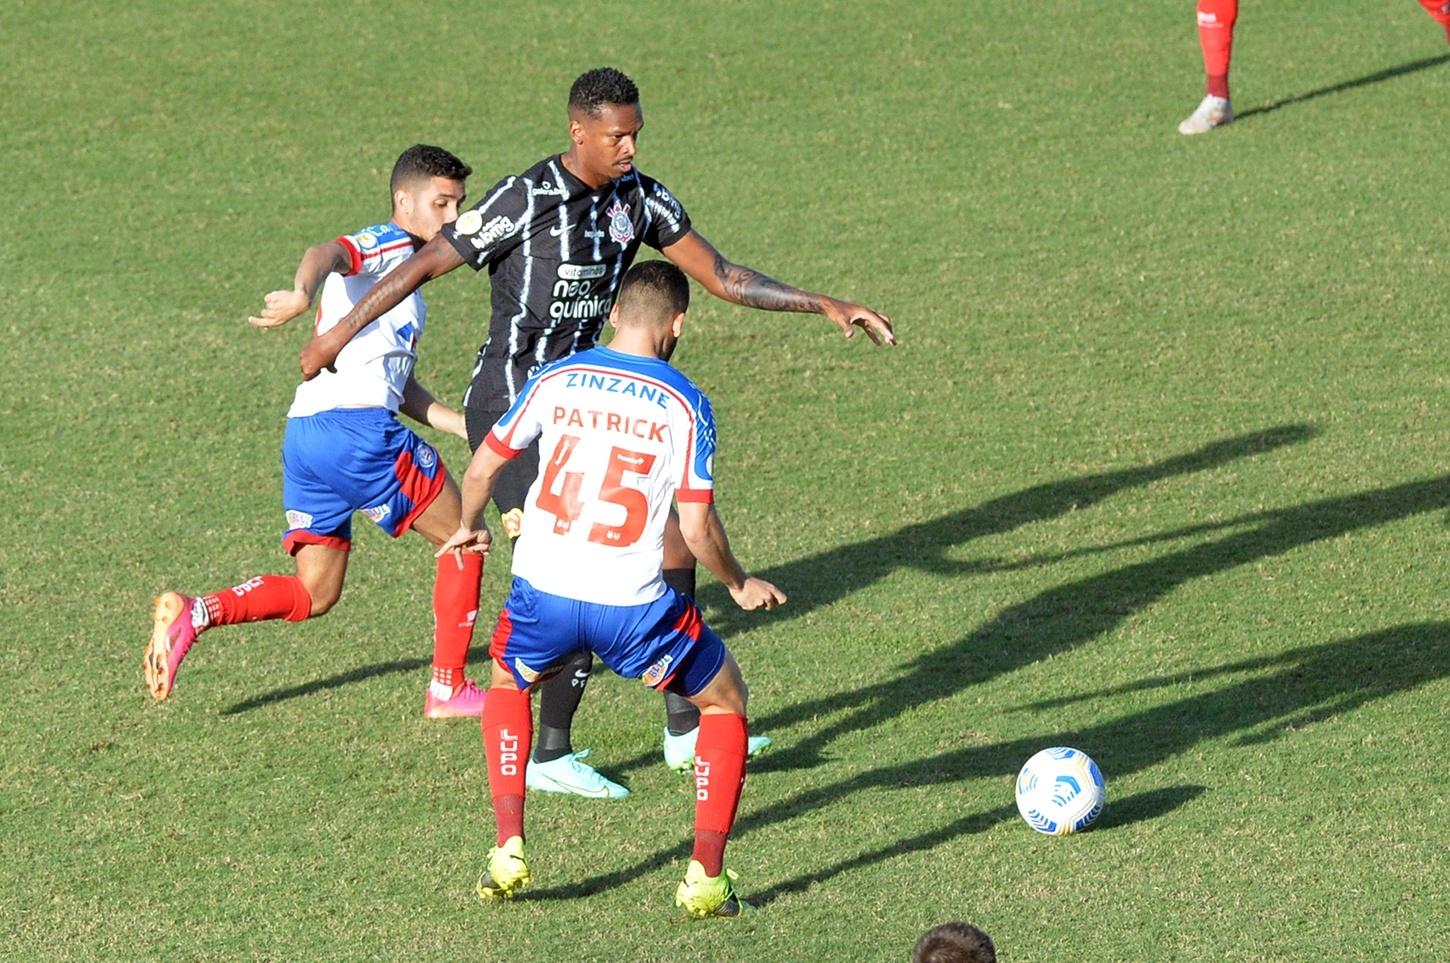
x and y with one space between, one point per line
1061 791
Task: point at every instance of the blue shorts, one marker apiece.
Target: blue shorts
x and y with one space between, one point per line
658 643
350 460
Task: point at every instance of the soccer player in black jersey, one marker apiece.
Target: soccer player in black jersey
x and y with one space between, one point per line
556 240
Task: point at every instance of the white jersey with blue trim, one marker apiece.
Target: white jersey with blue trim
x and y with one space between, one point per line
619 436
372 369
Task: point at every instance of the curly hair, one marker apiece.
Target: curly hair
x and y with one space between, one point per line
422 161
602 85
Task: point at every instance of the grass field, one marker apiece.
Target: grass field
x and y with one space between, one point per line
1158 470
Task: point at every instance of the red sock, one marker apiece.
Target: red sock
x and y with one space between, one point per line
1216 37
455 607
1438 9
719 777
258 599
508 731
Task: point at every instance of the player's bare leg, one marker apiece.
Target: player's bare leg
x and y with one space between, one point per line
179 619
507 733
719 770
455 609
682 717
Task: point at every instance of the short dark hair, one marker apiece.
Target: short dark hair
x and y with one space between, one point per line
422 161
652 292
954 943
602 85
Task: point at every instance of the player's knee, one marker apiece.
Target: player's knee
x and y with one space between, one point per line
501 678
321 606
324 597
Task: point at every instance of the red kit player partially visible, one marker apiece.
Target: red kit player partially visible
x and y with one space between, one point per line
1216 36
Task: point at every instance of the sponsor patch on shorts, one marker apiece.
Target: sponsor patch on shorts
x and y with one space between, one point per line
655 673
296 519
377 513
525 673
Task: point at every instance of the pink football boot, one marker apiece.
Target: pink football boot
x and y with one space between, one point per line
466 701
171 636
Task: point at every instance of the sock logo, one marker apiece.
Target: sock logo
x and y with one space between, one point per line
247 586
508 758
702 780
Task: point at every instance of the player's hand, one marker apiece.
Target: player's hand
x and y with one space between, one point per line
756 593
475 541
282 306
319 353
850 316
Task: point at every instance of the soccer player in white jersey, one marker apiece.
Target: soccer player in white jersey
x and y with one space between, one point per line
344 450
555 241
622 434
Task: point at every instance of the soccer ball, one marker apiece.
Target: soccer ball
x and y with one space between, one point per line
1061 791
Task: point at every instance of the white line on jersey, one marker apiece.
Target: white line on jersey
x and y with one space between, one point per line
508 369
495 195
563 231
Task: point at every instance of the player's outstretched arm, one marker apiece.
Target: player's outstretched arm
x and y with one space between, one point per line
317 263
477 489
420 405
705 534
738 284
434 259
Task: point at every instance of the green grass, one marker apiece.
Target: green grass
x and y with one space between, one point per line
1158 470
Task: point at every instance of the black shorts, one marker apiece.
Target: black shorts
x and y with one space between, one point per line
516 477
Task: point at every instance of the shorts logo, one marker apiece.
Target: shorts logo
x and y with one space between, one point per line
425 457
621 228
525 673
468 223
377 513
656 673
296 519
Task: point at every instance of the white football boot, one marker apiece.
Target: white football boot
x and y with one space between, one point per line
1210 113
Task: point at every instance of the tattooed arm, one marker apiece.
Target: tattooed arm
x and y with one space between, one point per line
738 284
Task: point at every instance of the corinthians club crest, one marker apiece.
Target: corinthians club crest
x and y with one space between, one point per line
621 228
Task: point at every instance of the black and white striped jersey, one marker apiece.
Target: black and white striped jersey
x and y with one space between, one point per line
555 252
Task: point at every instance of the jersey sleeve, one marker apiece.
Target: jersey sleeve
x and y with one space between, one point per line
697 474
522 423
375 249
493 227
668 221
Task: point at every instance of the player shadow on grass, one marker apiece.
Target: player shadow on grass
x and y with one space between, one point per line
361 673
1062 618
1283 693
1389 73
829 576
